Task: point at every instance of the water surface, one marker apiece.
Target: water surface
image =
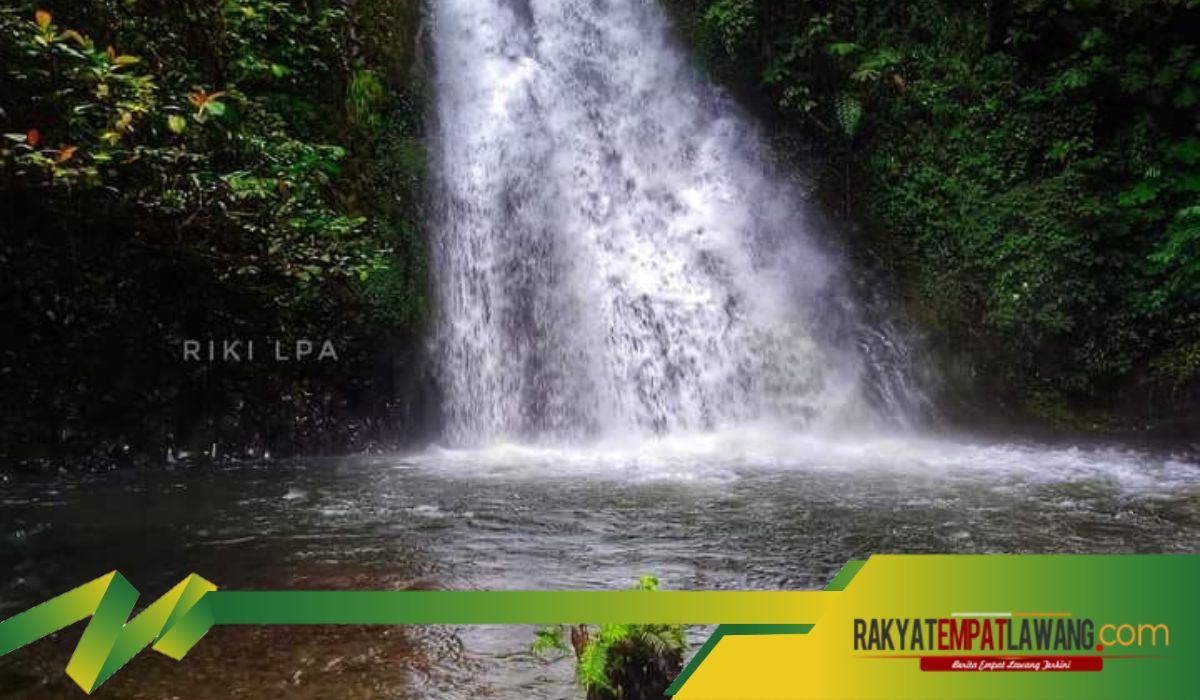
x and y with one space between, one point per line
743 510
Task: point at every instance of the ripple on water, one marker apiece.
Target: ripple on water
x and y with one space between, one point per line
757 510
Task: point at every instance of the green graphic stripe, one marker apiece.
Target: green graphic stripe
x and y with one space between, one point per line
506 607
729 630
174 623
846 575
839 583
108 643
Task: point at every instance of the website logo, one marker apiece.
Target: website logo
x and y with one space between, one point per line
1007 641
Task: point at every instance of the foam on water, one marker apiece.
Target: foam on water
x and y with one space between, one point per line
723 455
626 289
612 253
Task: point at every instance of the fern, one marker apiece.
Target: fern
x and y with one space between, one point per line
549 639
602 659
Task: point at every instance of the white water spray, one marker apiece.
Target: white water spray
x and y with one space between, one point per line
613 255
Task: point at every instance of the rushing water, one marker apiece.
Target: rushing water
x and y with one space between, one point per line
650 365
613 255
734 511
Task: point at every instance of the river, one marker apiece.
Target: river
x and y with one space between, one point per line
739 511
652 361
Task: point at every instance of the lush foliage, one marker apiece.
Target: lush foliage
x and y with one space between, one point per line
202 169
1030 168
614 658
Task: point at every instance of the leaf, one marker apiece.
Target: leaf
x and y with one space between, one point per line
207 104
1142 193
43 18
1093 39
126 60
176 124
843 48
849 114
201 98
864 73
549 639
66 153
1186 151
74 36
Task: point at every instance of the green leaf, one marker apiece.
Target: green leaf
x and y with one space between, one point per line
1142 193
849 114
176 123
549 639
1186 151
1093 39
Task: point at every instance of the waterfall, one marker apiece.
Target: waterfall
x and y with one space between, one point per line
612 251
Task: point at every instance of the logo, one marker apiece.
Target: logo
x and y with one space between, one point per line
251 350
1005 641
176 622
173 624
1135 622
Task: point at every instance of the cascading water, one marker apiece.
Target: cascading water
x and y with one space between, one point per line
612 253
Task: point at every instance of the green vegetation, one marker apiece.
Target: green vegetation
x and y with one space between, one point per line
621 661
1029 169
205 169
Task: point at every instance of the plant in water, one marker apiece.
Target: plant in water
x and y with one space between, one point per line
623 661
